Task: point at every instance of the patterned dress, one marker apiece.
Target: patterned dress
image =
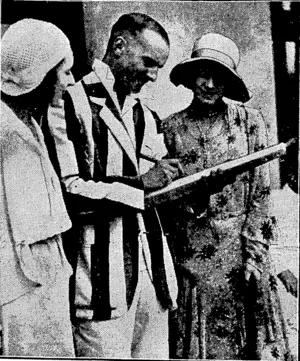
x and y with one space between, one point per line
220 315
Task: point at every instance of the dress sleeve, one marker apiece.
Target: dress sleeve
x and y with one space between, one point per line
168 132
257 231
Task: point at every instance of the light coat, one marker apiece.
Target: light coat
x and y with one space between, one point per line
32 206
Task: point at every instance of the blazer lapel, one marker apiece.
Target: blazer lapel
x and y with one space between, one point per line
110 112
117 129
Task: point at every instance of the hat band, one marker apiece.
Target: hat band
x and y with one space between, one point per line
217 55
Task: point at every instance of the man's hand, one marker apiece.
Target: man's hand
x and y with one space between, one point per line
162 174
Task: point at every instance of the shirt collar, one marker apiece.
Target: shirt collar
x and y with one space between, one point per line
107 78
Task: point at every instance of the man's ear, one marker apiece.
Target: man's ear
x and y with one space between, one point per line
119 45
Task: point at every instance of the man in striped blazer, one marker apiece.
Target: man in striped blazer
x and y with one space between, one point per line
102 137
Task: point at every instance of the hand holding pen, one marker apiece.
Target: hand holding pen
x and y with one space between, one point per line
162 174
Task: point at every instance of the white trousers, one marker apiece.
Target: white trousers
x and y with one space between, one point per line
141 333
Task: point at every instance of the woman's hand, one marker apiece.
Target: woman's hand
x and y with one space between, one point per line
251 269
289 281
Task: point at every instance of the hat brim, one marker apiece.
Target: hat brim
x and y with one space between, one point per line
184 72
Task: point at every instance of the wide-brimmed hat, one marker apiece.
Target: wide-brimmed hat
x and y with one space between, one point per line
218 49
30 48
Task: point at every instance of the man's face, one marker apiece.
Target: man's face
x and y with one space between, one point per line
210 83
140 60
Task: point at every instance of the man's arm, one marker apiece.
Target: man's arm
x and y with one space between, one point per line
128 191
74 184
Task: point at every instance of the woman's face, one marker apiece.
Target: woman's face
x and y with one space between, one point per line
209 84
64 78
55 83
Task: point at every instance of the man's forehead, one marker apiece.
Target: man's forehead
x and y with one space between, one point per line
152 39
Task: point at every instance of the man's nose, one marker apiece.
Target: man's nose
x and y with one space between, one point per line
152 74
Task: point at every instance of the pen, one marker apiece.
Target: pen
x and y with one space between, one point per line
155 161
149 158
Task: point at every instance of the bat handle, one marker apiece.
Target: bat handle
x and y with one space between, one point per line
290 142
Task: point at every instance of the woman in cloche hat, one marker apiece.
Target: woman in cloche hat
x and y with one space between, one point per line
36 58
221 237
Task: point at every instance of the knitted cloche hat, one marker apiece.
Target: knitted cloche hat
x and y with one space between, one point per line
215 48
30 48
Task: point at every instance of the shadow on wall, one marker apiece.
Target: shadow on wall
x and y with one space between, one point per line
247 23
